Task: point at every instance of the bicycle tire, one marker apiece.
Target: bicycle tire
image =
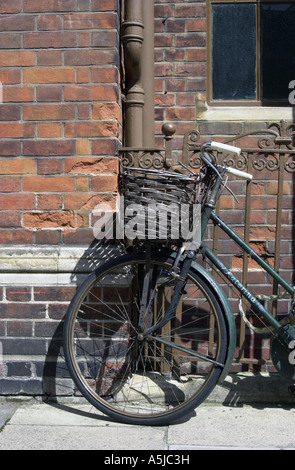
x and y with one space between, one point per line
154 381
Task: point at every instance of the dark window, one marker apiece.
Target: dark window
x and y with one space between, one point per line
234 52
277 49
252 51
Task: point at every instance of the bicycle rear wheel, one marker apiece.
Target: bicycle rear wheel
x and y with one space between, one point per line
151 380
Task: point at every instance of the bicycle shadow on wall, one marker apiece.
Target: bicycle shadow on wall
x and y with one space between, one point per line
58 387
56 382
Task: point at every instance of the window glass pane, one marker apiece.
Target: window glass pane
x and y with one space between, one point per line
234 51
277 46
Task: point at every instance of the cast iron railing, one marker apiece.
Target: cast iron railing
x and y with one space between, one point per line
269 154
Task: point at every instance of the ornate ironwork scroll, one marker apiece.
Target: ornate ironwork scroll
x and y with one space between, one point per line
150 158
264 145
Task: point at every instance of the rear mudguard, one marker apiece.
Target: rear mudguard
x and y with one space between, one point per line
224 304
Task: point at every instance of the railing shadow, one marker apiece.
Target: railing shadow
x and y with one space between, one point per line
257 390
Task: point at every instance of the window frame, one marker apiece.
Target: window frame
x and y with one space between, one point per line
245 102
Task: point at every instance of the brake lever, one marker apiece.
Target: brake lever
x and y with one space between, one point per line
231 192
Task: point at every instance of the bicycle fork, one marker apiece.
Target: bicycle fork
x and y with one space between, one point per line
178 291
150 332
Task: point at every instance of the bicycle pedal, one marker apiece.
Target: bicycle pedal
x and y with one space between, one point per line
291 389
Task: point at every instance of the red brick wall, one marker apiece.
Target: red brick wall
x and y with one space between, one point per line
180 68
59 67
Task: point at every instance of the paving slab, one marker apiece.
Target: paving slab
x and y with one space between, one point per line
40 426
225 427
6 412
79 427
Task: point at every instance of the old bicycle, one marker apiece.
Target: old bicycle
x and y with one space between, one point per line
149 334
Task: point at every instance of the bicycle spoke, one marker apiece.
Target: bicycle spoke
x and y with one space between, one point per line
186 350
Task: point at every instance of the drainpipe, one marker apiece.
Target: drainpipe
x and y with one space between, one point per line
138 43
132 39
148 64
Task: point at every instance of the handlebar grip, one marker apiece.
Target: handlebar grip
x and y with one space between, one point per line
239 174
225 148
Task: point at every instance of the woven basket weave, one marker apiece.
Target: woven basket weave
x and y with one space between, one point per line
154 193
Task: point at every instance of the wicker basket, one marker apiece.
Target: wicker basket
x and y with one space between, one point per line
155 201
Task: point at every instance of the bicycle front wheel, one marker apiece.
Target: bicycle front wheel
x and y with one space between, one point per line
138 379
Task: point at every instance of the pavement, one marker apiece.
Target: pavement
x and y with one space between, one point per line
219 424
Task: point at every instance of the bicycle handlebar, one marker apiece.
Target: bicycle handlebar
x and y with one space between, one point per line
225 148
239 173
220 147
